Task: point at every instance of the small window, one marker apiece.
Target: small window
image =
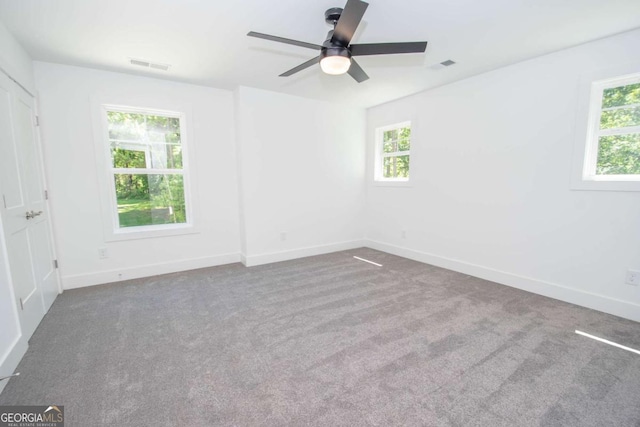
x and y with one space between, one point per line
147 168
613 141
393 152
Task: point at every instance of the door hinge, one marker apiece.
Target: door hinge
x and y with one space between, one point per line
4 200
37 120
21 305
55 263
46 195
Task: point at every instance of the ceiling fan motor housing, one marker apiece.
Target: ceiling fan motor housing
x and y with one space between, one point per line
334 51
333 48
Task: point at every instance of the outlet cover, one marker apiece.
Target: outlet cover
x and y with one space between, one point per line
633 277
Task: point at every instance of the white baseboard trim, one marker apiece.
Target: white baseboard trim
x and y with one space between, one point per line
11 359
109 276
268 258
617 307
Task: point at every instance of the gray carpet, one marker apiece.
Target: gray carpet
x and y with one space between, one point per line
327 340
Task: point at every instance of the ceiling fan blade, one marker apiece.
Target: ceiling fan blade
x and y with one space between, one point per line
301 67
387 48
283 40
348 22
357 72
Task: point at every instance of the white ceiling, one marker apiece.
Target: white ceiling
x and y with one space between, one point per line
205 41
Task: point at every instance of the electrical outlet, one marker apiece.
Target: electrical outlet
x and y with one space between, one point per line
633 277
103 253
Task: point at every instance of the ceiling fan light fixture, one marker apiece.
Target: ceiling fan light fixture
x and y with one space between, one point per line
335 65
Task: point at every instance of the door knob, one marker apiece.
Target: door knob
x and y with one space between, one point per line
33 214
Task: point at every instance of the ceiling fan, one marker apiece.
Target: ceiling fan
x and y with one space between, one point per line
336 53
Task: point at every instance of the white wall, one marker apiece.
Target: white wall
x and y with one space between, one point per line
302 173
15 61
490 195
67 96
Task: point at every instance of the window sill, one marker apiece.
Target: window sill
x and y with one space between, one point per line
605 185
148 232
392 183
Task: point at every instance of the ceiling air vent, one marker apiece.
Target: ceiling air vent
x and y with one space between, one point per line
443 64
147 64
163 67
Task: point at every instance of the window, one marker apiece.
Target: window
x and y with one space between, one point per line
613 139
393 152
147 164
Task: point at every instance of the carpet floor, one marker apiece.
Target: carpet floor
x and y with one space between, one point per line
327 340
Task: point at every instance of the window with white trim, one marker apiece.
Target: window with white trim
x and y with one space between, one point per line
393 152
613 138
147 165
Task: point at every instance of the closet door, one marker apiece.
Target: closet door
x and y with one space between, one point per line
25 218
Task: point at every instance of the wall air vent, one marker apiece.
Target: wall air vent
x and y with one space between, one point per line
147 64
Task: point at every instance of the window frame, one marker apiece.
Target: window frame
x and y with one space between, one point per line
112 230
592 87
595 115
378 177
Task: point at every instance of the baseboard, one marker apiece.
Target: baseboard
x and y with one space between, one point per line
12 359
108 276
253 260
617 307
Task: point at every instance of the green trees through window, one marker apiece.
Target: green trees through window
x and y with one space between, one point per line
394 153
147 165
619 131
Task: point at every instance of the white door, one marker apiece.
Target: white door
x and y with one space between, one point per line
24 209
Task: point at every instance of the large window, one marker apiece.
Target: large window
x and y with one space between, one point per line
613 141
147 168
393 152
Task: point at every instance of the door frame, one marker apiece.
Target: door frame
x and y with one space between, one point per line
45 186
